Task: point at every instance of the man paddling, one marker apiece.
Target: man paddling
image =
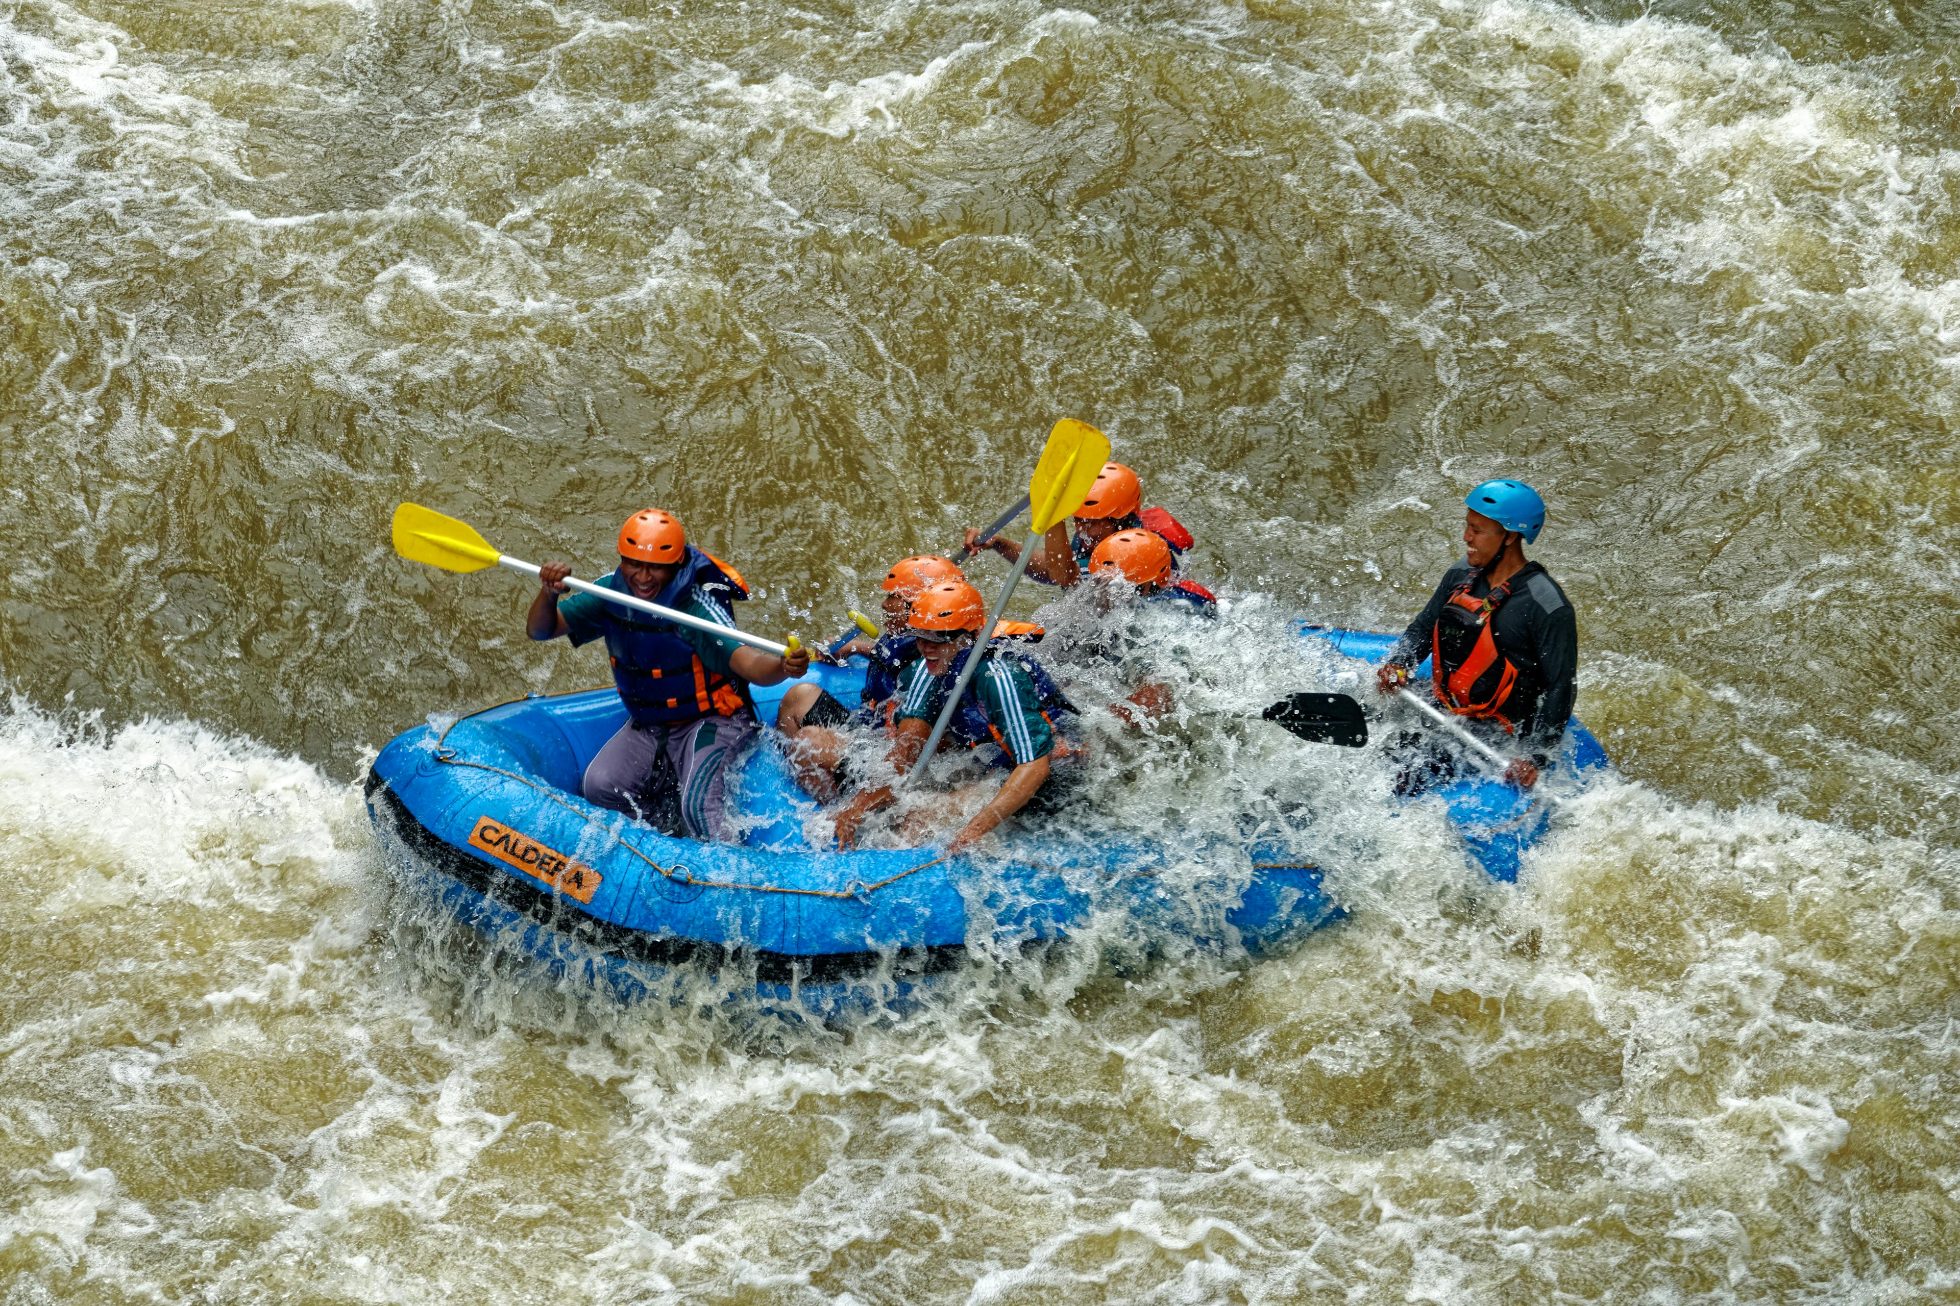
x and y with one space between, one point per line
1502 639
1010 709
686 691
812 718
1115 503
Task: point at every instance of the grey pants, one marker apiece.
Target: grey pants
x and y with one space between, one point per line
645 771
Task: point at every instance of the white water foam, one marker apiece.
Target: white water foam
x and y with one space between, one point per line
1701 1005
1703 1052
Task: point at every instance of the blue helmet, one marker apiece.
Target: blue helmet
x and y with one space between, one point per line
1511 504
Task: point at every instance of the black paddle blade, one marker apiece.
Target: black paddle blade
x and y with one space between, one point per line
1321 719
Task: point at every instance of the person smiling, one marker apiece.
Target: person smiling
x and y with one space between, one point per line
1502 640
686 691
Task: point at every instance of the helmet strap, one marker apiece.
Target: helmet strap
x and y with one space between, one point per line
1511 551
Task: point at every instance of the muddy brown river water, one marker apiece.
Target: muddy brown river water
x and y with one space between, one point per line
819 279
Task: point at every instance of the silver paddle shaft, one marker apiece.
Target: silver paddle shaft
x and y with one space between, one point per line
1498 763
973 660
666 614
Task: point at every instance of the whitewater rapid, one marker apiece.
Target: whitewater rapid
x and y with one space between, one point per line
818 281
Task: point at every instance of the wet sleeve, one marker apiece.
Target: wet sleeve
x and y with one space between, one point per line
713 651
583 614
1557 636
1008 697
919 693
1413 647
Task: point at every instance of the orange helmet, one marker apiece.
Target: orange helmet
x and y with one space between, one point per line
952 605
1116 493
1138 556
909 576
653 535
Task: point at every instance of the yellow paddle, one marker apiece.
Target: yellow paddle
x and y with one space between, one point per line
1070 462
425 535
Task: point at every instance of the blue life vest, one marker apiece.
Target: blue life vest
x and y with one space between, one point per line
660 679
888 658
970 725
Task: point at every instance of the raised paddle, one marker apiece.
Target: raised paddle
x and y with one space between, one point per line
1069 465
994 528
425 535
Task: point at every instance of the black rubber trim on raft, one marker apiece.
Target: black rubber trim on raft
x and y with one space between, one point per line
550 909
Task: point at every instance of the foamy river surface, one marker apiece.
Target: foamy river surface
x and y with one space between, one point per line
819 278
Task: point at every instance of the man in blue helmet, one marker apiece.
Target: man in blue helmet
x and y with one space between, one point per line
1502 640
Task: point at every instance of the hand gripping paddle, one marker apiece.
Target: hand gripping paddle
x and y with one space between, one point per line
425 535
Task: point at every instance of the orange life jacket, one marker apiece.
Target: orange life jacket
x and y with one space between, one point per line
1472 678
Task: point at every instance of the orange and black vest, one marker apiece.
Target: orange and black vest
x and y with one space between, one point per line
1473 678
661 679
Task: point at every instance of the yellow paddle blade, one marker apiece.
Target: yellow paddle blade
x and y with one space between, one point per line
1070 462
425 535
864 623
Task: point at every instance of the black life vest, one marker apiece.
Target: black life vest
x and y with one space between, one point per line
660 678
1472 677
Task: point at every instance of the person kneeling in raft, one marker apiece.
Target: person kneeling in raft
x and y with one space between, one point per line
812 719
1502 639
1011 706
1135 568
686 691
1115 503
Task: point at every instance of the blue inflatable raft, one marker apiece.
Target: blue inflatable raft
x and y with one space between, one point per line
484 814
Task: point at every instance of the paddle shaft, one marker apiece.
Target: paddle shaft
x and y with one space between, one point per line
988 532
668 614
1498 763
973 659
